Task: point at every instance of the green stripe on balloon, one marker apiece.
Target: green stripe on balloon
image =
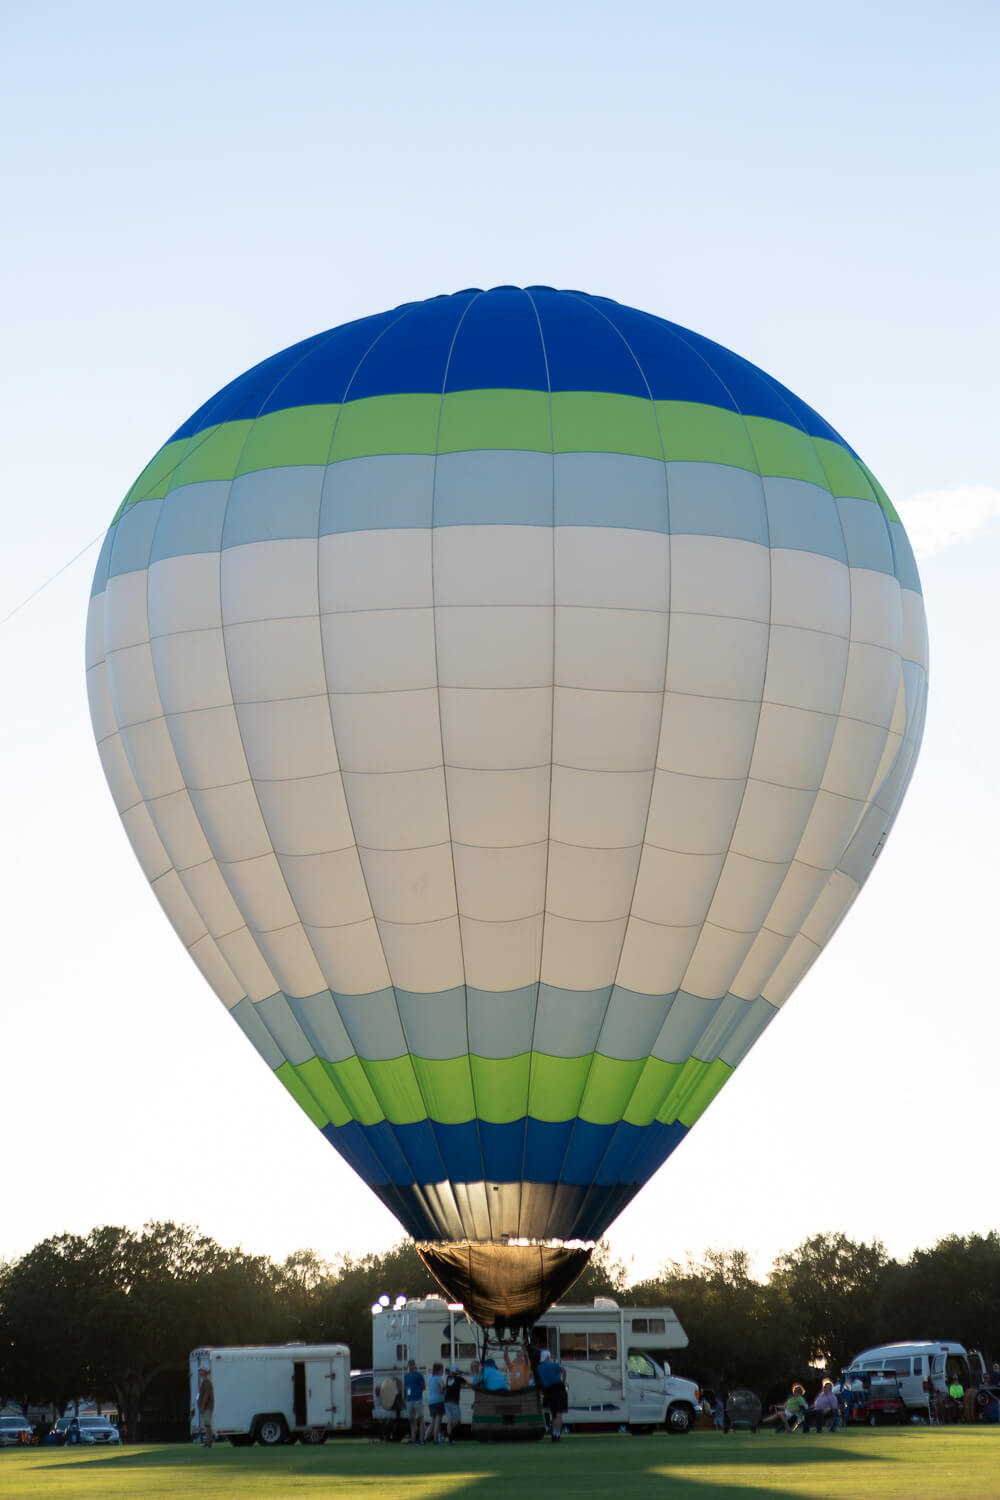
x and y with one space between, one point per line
581 421
451 1091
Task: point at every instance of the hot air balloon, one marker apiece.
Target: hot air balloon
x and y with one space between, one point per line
506 696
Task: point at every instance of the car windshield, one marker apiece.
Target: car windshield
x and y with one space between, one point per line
94 1422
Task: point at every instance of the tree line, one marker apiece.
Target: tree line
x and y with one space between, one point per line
116 1312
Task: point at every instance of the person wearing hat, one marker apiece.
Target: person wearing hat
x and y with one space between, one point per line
552 1378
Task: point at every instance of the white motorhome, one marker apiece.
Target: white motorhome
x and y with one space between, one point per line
922 1368
612 1380
272 1394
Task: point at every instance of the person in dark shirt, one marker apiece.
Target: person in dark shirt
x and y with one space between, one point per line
551 1378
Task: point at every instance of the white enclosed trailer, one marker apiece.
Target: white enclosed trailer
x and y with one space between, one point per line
272 1393
615 1373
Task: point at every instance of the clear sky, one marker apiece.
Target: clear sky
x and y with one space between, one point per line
190 187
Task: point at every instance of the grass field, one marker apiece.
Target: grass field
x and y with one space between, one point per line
899 1464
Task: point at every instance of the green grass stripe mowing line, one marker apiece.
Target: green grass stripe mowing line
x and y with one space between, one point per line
601 1090
955 1463
581 422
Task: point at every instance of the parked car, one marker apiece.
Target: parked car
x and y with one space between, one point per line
93 1429
14 1431
362 1400
98 1430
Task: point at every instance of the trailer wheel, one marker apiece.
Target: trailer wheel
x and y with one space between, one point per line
271 1431
680 1418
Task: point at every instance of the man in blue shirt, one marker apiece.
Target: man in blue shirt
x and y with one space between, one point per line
413 1386
552 1378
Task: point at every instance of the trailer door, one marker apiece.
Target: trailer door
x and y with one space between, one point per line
313 1393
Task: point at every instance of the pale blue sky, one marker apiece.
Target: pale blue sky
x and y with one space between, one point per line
191 187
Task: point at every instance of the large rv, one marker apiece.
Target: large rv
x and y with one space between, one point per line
272 1394
616 1375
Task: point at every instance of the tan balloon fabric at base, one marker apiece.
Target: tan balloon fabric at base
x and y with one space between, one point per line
504 1284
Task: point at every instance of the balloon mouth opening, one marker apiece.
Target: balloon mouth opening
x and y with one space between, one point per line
505 1286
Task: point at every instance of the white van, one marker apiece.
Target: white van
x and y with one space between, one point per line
921 1367
273 1393
612 1380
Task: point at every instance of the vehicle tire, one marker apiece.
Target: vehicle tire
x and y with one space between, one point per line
680 1418
271 1432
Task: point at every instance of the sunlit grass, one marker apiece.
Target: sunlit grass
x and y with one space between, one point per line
897 1464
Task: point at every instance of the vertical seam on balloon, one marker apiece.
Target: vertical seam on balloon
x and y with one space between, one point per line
838 717
666 656
143 800
444 775
285 369
548 825
279 988
166 725
328 470
763 495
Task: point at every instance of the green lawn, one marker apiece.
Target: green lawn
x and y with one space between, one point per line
904 1464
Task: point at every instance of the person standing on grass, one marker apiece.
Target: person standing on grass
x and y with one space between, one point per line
452 1401
413 1386
552 1379
206 1407
435 1400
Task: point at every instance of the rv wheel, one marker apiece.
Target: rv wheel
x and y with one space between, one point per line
271 1431
679 1418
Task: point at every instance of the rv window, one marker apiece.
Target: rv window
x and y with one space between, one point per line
649 1325
641 1367
918 1364
462 1351
901 1366
604 1346
574 1346
401 1353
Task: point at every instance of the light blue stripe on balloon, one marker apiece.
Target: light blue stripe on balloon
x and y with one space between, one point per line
501 1024
385 492
191 520
568 1022
277 1017
864 524
133 537
803 518
256 1032
716 500
610 489
906 564
321 1021
482 487
103 559
434 1025
274 505
372 1022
